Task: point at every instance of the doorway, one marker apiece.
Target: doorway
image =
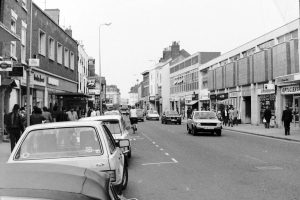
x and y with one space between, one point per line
247 109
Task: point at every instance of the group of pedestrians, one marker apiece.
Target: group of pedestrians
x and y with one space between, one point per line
229 116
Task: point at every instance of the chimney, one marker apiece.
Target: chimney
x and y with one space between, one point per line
69 31
53 14
175 50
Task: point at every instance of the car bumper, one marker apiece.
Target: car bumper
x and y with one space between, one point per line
208 129
173 120
156 118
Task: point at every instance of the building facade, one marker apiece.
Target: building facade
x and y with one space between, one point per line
82 69
113 95
145 91
263 72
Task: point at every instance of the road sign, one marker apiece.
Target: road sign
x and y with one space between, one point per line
33 62
5 66
16 71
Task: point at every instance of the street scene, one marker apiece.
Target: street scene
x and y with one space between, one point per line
149 100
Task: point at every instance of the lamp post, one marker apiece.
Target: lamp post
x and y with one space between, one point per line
105 24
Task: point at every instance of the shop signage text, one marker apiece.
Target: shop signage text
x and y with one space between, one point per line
234 94
152 98
5 66
39 79
221 97
294 89
53 81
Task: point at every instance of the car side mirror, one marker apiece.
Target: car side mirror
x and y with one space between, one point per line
124 143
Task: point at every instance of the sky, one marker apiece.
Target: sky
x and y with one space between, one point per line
141 29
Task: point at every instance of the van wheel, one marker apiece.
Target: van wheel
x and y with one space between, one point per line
218 132
193 131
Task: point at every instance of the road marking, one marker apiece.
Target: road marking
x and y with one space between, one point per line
174 160
159 163
254 158
161 149
166 154
153 142
157 145
269 168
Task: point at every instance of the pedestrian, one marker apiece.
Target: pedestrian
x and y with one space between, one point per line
98 112
189 112
14 125
225 116
23 115
37 116
287 118
55 113
62 116
235 115
230 115
72 115
267 116
47 115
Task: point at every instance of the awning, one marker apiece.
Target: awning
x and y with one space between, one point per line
8 82
191 103
6 35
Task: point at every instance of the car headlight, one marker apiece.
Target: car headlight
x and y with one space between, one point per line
219 124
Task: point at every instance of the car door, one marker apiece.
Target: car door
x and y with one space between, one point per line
115 155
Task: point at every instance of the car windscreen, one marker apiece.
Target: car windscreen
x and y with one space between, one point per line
152 112
205 115
172 113
113 126
59 143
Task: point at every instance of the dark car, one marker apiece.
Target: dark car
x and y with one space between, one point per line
171 116
52 181
140 115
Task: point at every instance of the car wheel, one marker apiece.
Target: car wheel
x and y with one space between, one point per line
193 131
125 179
179 123
219 132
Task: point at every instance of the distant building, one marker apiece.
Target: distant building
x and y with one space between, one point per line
82 69
93 85
113 95
91 67
133 95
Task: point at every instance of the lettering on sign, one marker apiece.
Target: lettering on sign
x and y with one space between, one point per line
290 89
53 81
5 66
39 79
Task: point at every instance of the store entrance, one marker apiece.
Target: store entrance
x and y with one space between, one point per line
247 110
296 108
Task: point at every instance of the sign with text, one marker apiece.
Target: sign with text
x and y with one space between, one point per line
6 65
39 79
293 89
53 81
33 62
16 71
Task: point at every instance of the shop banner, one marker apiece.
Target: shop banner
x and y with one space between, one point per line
293 89
221 97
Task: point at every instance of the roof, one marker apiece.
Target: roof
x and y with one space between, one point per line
61 125
53 181
102 117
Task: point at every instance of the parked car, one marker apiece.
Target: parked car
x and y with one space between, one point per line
51 181
170 116
204 121
152 114
117 127
140 114
85 144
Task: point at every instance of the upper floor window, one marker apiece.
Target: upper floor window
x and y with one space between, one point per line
195 60
72 60
51 48
66 56
23 42
42 43
13 25
59 55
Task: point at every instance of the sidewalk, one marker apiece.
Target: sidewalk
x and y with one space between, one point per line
262 131
4 152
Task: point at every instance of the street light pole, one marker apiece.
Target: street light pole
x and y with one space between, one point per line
105 24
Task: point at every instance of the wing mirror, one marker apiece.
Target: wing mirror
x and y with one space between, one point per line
123 143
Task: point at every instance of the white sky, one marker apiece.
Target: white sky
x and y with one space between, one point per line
141 29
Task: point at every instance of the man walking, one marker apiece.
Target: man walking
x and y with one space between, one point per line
14 125
72 115
267 116
287 119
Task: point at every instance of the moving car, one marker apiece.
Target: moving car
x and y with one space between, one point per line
140 114
52 181
204 121
170 116
84 144
117 127
152 114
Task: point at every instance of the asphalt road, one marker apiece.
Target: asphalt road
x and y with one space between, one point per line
167 163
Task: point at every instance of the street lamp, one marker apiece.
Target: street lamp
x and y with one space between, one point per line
105 24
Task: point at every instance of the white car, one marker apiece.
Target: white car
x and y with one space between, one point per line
116 125
83 144
204 121
152 114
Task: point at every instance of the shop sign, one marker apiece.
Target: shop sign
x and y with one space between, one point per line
221 97
91 83
152 98
213 97
16 72
262 92
34 62
6 65
94 91
294 89
53 81
39 79
234 94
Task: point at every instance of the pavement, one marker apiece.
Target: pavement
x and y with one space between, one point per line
260 130
4 152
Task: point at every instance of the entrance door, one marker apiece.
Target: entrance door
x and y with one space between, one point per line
296 109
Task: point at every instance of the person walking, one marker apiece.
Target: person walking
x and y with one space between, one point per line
287 118
62 116
47 115
14 125
267 116
37 116
230 114
72 115
235 113
189 112
55 113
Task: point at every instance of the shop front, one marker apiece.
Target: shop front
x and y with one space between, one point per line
266 99
204 99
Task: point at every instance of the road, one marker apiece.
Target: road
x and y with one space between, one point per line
167 163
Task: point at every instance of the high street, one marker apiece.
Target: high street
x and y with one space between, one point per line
167 163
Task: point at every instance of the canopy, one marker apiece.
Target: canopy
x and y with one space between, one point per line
191 103
6 35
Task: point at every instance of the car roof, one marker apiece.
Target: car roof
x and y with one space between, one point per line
102 117
61 179
62 125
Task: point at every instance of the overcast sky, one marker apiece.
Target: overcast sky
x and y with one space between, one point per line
141 29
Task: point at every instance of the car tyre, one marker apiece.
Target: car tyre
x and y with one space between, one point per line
219 132
193 131
179 123
125 179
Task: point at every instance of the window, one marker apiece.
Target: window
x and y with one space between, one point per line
13 46
23 42
13 25
59 54
188 63
51 48
42 43
72 60
110 139
66 57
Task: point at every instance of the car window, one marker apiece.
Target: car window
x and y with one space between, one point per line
110 139
60 143
205 115
113 126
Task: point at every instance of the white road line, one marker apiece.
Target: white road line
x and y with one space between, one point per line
174 160
166 154
256 159
161 149
153 142
157 145
159 163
